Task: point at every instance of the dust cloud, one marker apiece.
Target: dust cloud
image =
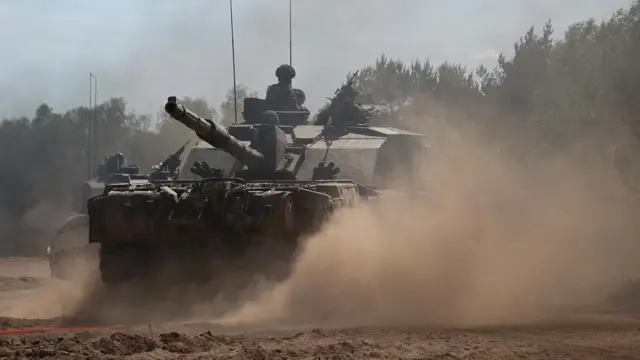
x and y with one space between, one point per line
504 235
54 298
29 234
506 232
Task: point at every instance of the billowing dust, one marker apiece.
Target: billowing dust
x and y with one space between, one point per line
48 297
500 235
503 235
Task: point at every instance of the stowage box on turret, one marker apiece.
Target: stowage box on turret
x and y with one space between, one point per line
254 191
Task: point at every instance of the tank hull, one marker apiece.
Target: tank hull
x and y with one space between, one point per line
210 231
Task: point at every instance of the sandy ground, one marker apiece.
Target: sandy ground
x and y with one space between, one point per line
21 280
588 336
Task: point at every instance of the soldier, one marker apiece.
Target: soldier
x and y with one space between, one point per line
280 96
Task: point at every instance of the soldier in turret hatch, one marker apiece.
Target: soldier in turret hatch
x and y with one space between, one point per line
280 96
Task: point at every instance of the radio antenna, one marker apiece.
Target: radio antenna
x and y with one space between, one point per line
233 61
290 38
91 123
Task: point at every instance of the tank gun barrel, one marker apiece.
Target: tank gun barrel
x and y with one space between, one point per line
213 134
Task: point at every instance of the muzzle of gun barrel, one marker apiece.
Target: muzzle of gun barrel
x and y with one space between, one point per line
191 120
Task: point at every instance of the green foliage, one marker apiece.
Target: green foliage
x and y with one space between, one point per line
45 158
585 82
588 81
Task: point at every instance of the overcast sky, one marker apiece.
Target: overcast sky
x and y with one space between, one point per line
146 50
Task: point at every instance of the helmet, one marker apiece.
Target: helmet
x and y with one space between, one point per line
286 72
270 117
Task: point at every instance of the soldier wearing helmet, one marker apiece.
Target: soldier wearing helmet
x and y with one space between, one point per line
280 96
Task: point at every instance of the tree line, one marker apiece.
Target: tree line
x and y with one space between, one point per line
586 82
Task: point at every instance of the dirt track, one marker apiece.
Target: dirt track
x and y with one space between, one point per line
584 337
592 340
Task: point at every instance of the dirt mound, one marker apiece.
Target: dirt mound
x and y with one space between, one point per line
115 345
595 340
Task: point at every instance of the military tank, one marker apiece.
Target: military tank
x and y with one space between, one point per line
68 251
167 232
249 195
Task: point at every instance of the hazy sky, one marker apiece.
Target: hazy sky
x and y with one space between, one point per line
146 50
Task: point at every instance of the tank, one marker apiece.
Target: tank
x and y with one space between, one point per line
68 248
219 224
249 195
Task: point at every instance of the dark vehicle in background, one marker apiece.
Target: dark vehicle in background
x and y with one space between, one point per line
69 250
